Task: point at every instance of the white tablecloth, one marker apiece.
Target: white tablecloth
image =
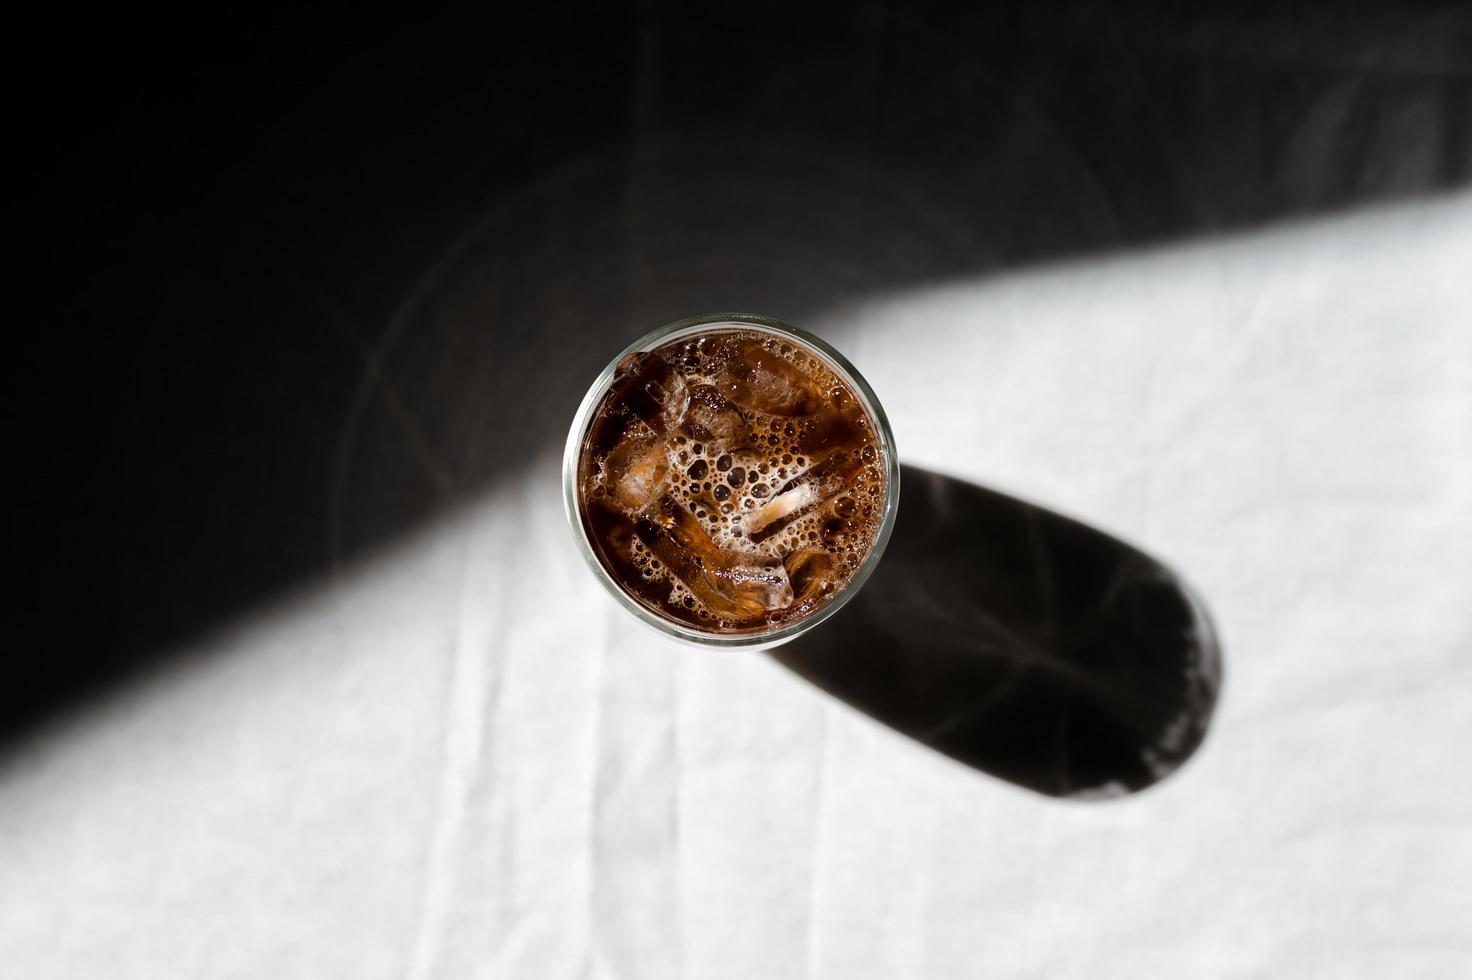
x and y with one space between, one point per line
434 766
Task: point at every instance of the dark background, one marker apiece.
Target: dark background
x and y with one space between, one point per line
230 212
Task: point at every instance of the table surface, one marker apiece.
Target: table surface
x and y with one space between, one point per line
428 744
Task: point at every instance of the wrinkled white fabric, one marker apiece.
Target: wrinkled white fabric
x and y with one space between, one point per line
433 766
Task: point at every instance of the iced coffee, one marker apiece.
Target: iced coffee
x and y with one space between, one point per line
732 480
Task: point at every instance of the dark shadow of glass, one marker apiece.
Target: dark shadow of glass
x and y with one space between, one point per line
1022 643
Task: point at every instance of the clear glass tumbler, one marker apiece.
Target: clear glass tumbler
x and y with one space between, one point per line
780 633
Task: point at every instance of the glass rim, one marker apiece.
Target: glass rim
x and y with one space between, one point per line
754 640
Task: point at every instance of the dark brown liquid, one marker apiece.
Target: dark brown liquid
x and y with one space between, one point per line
732 480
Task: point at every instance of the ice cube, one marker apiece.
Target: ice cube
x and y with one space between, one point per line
636 471
643 387
731 587
809 570
827 427
829 475
752 587
823 481
645 384
779 507
759 379
707 417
